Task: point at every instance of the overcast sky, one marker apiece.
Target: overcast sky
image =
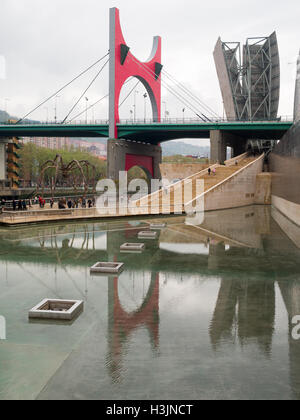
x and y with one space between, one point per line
47 42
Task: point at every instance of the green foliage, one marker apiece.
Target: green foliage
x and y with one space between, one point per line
33 157
137 173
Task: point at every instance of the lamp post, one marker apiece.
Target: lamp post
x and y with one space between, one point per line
86 109
134 116
165 113
55 109
47 113
5 104
145 98
183 110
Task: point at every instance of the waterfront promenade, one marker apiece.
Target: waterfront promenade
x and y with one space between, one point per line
225 186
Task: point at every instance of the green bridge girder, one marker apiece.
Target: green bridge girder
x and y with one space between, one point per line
151 133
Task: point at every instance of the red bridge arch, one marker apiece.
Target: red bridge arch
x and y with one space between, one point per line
122 323
123 64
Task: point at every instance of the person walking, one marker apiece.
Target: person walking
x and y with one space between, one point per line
51 202
214 171
209 171
14 205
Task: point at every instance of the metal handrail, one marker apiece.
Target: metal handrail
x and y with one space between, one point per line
151 121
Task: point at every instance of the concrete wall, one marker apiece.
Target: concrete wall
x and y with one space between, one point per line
245 227
288 227
172 171
220 140
116 156
297 93
286 177
285 165
2 161
263 188
237 191
288 208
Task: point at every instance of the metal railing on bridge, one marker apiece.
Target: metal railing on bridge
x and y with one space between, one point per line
150 121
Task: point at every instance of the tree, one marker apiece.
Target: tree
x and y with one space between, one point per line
33 157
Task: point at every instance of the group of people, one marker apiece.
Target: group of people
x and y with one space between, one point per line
82 202
62 203
211 171
21 204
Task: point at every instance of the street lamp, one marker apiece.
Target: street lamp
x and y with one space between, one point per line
166 112
55 108
145 98
183 110
135 92
5 103
86 109
47 113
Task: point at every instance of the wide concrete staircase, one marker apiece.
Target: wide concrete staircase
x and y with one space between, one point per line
174 197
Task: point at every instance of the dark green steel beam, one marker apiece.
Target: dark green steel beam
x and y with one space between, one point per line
152 133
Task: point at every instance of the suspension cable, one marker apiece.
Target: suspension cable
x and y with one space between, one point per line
178 95
190 93
129 94
96 103
62 88
82 95
91 106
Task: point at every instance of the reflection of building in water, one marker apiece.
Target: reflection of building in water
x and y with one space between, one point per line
247 306
121 323
290 290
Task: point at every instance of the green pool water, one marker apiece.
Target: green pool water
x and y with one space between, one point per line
205 312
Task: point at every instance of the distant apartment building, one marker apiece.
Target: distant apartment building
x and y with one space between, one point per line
95 148
48 142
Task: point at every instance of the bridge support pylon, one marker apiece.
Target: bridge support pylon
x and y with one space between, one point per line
3 170
122 155
220 140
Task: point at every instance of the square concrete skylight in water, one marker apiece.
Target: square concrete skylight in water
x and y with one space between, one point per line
157 226
107 267
147 235
57 309
136 248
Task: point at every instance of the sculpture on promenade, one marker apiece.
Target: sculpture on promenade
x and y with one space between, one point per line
77 172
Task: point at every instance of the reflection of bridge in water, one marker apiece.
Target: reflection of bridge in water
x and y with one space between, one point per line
121 324
228 242
245 309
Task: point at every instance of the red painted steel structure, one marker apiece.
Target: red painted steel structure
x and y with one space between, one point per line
145 162
123 65
123 324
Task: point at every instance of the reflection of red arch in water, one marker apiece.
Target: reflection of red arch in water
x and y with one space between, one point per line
122 323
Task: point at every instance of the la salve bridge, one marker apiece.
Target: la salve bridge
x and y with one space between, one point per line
137 142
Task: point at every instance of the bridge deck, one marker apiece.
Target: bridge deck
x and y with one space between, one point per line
152 133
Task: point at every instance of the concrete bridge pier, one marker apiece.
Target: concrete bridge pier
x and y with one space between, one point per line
220 140
122 155
3 170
